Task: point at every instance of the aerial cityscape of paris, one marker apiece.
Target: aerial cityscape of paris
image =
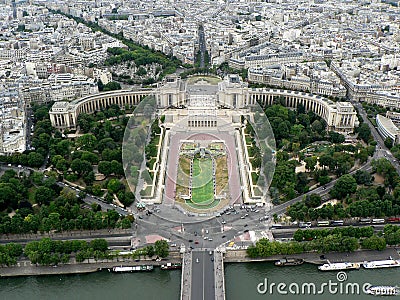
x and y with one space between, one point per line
199 150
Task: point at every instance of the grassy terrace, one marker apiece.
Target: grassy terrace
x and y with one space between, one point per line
221 175
182 184
202 181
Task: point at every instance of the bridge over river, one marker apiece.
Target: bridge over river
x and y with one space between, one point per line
203 275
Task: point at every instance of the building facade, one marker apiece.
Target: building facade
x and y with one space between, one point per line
387 128
232 93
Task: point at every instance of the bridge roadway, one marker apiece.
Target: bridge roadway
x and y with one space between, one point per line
203 275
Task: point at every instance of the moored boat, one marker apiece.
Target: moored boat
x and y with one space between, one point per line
339 266
389 263
171 266
383 291
289 262
124 269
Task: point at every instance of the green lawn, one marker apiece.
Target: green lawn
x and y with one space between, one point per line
202 181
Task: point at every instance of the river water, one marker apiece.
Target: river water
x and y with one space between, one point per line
241 282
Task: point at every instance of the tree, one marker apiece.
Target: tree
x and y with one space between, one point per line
317 126
105 167
81 166
150 251
374 243
336 138
99 245
362 155
8 196
114 185
116 168
363 177
311 162
344 186
161 248
43 195
302 181
112 86
388 142
90 157
141 71
62 165
313 200
85 122
87 142
89 178
35 159
364 132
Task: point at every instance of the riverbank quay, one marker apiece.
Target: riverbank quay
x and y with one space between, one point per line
25 268
359 256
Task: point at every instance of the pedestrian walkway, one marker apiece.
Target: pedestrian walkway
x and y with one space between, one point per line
186 279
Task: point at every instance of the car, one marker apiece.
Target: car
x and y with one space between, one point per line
210 252
257 210
245 230
242 217
218 215
197 260
210 239
246 215
195 233
206 237
245 225
140 217
207 231
223 222
173 245
224 236
196 242
212 258
228 213
190 241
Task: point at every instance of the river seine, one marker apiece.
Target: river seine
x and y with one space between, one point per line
241 282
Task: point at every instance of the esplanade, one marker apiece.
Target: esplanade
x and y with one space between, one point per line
231 93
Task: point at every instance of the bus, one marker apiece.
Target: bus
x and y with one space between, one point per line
338 223
304 224
393 220
365 221
276 226
323 223
378 221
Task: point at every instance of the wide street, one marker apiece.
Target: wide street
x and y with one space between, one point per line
203 278
381 150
